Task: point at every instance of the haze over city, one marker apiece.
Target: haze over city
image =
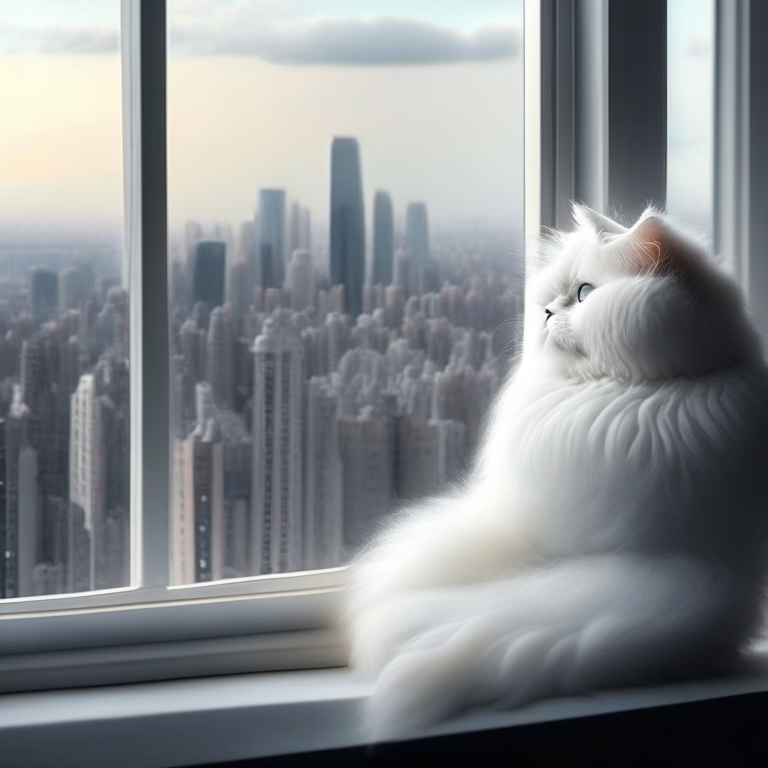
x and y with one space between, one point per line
345 204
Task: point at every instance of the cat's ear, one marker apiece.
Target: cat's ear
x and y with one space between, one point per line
586 217
656 248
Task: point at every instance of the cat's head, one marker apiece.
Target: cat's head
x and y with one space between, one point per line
635 305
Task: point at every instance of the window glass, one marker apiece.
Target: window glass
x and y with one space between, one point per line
690 84
64 392
345 201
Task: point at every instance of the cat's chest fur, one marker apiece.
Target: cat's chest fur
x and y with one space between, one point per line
601 465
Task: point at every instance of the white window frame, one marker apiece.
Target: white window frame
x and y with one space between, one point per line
123 635
154 631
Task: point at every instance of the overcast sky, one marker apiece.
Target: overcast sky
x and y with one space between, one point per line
432 89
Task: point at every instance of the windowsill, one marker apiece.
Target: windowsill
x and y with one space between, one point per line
237 717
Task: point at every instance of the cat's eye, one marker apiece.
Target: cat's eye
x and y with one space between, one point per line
584 290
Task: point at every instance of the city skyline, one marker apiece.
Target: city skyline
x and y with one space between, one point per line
239 121
280 390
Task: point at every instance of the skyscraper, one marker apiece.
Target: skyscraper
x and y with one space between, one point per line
76 284
366 454
272 237
323 521
417 242
87 474
208 273
276 499
301 279
219 358
383 238
3 504
417 233
347 247
249 253
44 294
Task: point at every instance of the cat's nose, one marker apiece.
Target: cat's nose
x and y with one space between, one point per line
548 312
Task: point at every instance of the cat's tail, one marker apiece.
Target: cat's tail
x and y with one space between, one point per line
595 622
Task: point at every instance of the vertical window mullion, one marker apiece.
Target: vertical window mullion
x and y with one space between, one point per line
144 125
741 147
596 107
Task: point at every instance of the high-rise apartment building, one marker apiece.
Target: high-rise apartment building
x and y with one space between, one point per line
383 239
87 473
323 528
272 237
276 498
347 236
208 273
14 439
219 359
367 456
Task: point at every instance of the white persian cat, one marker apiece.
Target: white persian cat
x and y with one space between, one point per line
614 528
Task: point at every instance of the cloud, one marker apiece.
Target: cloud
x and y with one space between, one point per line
255 31
377 41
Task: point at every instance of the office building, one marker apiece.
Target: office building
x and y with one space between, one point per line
276 498
208 273
417 246
347 236
367 460
219 357
44 294
383 239
87 475
323 520
272 237
417 233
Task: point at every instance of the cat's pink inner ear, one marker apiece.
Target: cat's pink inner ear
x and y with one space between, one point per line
656 249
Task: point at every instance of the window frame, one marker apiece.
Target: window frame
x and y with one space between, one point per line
152 610
566 95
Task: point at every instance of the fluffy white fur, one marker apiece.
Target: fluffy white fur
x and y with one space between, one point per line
613 530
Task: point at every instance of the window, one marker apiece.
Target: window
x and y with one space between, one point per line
571 135
64 318
438 277
345 212
690 52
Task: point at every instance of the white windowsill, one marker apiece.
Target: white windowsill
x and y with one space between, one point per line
237 717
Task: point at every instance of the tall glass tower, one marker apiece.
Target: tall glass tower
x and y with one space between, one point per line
417 233
417 245
347 249
272 237
383 238
208 273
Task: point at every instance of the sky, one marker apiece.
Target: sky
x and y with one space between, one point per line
432 89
